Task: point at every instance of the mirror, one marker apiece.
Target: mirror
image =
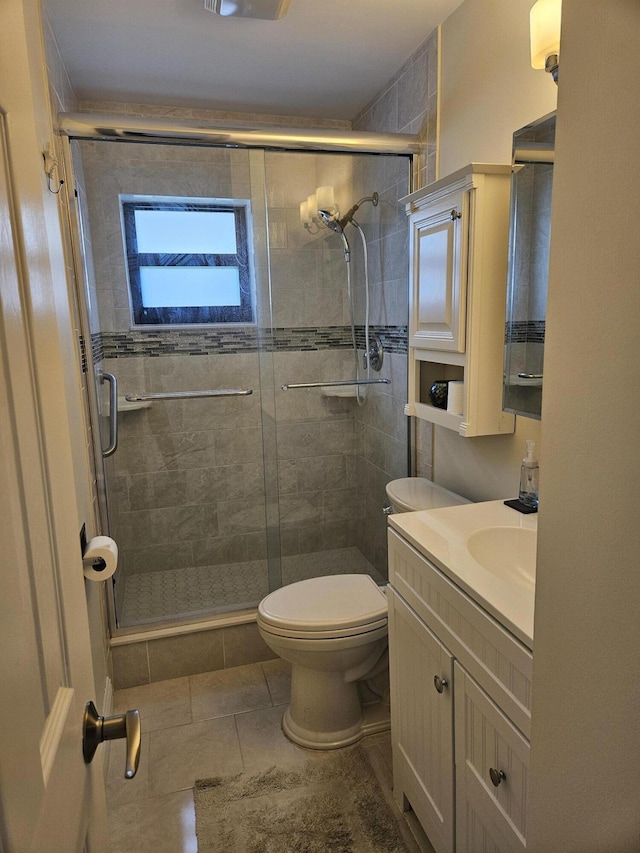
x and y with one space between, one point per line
528 267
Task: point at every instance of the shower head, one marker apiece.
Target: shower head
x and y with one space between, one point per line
337 224
332 220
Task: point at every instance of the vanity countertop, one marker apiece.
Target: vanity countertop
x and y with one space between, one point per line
448 536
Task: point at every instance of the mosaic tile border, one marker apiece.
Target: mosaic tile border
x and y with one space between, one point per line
243 339
97 347
525 332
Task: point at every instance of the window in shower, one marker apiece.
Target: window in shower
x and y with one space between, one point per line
188 260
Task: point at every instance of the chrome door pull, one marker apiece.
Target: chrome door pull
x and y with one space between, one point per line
97 729
113 413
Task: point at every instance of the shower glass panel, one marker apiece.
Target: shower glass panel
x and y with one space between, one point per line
215 501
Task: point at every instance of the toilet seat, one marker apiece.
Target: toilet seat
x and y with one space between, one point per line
409 494
324 608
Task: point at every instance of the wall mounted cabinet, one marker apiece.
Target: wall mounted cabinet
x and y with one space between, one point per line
459 229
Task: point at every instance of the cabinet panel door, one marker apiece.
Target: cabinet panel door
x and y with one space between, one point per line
422 723
439 274
488 816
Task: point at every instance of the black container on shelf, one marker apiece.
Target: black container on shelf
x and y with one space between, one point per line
438 393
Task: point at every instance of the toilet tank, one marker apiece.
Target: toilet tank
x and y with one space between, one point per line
409 494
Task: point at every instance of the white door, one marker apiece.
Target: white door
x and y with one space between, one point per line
50 800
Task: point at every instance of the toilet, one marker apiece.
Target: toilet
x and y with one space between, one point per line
409 494
333 632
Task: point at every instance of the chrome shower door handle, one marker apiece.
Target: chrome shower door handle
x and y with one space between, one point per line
97 729
113 413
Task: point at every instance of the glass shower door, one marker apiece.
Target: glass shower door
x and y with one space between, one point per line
186 486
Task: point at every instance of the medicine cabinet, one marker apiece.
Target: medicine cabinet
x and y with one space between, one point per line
528 266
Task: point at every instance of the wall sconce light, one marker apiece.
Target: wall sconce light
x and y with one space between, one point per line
325 199
544 28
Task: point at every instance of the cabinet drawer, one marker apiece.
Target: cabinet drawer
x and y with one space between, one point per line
489 816
499 662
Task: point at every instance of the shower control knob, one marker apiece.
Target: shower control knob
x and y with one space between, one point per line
455 215
440 683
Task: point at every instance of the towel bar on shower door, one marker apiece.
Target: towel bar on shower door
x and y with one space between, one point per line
185 395
288 387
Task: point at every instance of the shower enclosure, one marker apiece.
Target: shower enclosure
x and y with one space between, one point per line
222 485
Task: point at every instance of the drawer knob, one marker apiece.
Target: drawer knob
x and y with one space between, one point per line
496 776
440 683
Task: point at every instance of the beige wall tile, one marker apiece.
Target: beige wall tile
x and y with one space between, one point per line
243 644
173 657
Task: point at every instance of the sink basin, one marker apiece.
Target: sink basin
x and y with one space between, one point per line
507 552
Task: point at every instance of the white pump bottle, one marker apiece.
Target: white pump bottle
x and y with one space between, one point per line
529 471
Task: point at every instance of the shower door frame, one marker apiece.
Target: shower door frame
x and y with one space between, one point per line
115 128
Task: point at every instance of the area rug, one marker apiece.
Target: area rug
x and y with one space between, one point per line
331 804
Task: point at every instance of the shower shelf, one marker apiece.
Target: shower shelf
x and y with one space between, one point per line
125 405
350 390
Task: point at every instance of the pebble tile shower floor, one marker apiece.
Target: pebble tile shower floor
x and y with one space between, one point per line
208 590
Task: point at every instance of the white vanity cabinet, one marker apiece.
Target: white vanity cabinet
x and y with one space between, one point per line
461 711
458 242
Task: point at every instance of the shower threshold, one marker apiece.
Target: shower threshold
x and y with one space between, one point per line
202 591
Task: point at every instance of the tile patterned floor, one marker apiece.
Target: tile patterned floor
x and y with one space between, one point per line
209 590
219 722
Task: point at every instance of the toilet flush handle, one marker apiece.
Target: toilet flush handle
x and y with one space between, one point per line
387 510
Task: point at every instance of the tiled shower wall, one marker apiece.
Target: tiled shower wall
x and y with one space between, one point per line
328 497
408 104
188 477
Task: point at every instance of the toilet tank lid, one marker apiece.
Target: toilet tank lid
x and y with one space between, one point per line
420 493
332 601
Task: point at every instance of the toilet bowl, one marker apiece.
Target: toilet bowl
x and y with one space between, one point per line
333 632
409 494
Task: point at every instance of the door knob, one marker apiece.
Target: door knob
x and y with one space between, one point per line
496 776
440 683
97 729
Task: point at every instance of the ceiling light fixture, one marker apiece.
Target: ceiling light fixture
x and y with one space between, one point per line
544 23
266 10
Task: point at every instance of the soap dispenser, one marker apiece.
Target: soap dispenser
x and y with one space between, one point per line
529 477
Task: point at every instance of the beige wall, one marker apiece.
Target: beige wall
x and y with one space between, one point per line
585 782
488 90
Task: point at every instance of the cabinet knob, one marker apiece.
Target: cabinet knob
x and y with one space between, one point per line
455 215
496 776
439 683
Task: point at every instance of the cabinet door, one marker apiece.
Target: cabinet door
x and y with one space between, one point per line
490 817
439 275
421 723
